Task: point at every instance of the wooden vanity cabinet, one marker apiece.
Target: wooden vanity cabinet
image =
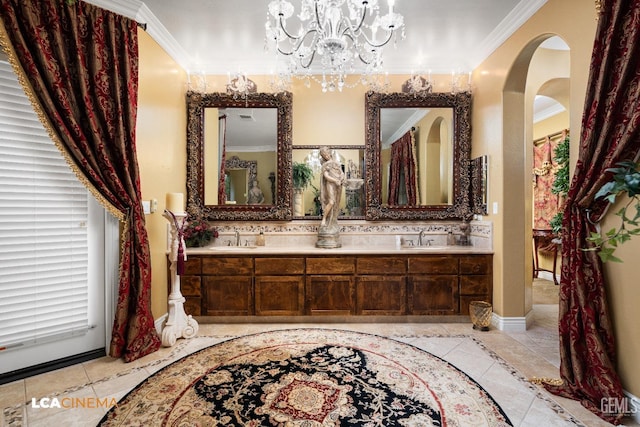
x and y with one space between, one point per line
190 285
330 286
433 285
279 286
326 285
381 285
476 280
227 284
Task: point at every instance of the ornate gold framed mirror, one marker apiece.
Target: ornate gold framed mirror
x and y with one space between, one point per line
254 130
417 155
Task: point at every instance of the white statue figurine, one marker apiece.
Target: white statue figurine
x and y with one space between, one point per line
332 180
255 196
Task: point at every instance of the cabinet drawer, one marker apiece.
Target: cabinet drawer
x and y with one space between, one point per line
279 266
475 285
342 265
227 266
192 306
381 265
433 264
193 265
190 286
480 264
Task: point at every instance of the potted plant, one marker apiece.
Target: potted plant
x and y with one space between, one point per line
302 176
199 233
626 181
560 184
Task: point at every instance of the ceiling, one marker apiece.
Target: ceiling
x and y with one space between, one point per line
223 36
227 37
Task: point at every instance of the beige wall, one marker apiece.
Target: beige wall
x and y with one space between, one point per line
501 131
338 119
162 153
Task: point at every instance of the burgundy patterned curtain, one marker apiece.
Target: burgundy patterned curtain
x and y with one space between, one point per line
81 63
402 174
610 134
222 180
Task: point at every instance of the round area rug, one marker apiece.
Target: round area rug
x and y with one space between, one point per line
308 378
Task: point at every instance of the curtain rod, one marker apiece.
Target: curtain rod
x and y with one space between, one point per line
143 25
553 135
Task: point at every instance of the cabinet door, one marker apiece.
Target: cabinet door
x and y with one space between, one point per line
279 295
330 295
433 294
381 295
228 295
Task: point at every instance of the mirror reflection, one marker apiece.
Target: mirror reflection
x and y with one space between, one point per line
416 147
417 155
306 201
239 156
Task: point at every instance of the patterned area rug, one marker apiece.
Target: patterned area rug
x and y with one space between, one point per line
309 378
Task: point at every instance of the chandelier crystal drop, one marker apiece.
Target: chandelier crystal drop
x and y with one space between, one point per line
334 38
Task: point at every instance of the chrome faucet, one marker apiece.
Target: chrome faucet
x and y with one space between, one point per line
237 238
422 241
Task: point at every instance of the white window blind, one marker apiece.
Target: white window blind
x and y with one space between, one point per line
43 229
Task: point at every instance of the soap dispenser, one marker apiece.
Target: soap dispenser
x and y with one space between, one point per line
451 241
260 239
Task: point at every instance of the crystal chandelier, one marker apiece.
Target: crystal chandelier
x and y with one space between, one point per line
336 40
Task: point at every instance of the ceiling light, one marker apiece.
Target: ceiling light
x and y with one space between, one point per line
335 38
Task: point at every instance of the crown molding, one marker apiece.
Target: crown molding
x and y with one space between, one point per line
138 11
514 20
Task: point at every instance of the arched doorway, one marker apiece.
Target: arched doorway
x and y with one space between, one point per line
523 82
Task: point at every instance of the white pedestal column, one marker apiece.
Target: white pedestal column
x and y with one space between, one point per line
178 323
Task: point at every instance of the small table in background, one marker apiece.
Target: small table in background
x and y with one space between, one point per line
546 241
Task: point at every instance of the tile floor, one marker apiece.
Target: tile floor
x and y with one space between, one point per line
500 362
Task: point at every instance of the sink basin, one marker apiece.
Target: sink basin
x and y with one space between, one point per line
231 248
426 248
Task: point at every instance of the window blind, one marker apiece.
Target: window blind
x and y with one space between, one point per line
43 229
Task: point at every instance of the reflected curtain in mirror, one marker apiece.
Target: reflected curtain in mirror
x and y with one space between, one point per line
222 136
403 185
255 130
442 143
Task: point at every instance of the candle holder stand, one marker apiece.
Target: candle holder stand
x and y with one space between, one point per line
178 323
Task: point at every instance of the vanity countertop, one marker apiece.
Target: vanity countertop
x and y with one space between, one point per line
345 249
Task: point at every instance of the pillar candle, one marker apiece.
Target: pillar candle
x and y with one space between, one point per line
175 202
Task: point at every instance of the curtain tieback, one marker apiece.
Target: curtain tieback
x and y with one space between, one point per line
180 255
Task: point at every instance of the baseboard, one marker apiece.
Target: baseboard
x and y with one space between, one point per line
634 406
51 366
512 324
159 322
547 275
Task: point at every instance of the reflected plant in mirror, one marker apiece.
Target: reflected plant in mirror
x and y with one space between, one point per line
417 155
351 159
239 156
